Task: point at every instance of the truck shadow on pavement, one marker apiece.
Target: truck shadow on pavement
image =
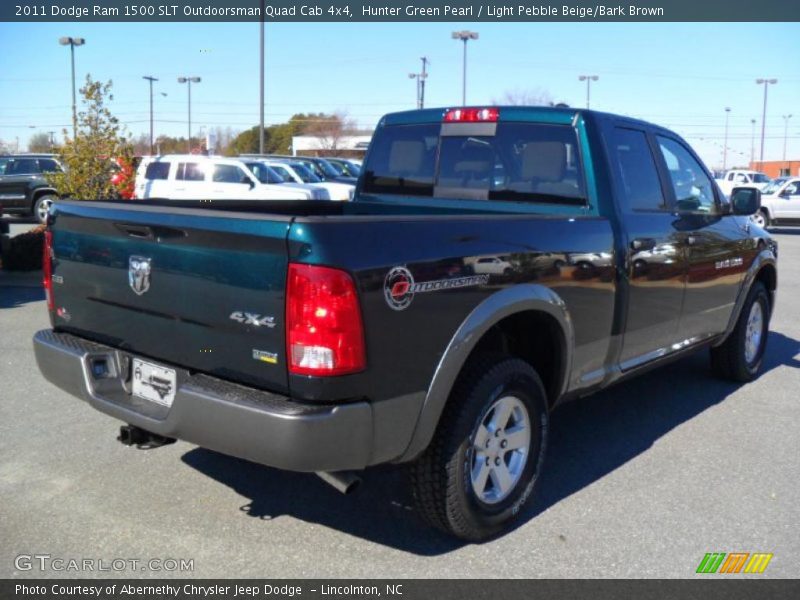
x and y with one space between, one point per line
589 439
13 296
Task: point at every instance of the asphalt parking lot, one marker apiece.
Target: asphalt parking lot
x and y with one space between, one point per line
641 481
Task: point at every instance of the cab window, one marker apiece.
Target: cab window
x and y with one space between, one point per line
190 172
229 174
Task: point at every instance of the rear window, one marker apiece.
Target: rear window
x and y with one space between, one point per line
528 162
157 170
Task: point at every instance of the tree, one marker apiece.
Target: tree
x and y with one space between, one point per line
89 157
529 97
40 142
329 131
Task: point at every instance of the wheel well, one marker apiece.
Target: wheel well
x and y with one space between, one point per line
769 277
42 192
536 338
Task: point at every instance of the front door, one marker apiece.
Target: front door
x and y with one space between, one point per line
718 247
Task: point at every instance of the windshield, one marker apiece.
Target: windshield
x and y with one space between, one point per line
325 169
773 186
262 172
530 162
760 178
336 167
305 173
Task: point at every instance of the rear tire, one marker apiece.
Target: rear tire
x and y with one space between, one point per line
483 463
740 356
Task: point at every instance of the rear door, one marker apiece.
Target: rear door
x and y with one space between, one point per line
655 264
194 288
717 246
189 181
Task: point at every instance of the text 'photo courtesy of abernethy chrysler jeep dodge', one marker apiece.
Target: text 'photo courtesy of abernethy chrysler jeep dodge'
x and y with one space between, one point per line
494 263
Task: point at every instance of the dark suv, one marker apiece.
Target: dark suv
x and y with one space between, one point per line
24 188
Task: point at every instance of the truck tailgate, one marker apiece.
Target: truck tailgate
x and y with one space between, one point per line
196 288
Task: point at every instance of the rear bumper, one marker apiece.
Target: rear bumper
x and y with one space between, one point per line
252 424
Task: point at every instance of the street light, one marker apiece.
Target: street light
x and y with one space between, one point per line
72 42
752 142
725 147
189 81
151 80
261 90
785 133
766 83
588 79
464 36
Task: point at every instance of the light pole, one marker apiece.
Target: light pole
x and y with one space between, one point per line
151 80
752 142
588 79
464 36
423 77
415 76
725 147
189 81
766 83
785 133
261 90
72 42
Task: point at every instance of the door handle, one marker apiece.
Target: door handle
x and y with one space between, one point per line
643 244
691 240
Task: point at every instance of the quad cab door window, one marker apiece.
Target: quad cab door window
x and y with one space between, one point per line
694 190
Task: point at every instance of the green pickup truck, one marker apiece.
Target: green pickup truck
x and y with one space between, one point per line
494 263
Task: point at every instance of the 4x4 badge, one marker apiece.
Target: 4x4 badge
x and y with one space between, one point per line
139 274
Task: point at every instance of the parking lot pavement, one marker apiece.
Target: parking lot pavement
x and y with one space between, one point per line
641 481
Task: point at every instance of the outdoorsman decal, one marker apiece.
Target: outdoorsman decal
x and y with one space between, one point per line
399 286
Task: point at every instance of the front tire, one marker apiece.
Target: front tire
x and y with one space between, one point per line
42 207
740 356
483 463
761 218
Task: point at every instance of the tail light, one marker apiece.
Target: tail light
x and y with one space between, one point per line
324 332
47 268
471 115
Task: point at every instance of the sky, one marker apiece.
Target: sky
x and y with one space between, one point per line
679 75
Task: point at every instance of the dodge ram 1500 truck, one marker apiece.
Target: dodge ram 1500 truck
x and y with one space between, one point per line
329 337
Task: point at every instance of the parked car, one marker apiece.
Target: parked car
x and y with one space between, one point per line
320 167
267 175
742 178
492 265
347 167
780 203
300 173
24 188
331 337
195 177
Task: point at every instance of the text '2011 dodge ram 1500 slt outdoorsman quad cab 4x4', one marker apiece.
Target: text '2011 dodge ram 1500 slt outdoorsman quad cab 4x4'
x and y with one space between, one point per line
329 337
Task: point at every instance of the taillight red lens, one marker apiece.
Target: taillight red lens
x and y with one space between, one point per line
324 332
47 268
471 115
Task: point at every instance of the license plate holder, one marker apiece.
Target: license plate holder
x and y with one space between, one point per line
153 382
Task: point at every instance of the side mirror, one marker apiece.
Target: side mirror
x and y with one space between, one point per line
745 201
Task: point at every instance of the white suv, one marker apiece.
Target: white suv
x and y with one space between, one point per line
193 177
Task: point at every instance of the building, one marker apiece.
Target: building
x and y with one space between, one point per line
777 168
346 146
